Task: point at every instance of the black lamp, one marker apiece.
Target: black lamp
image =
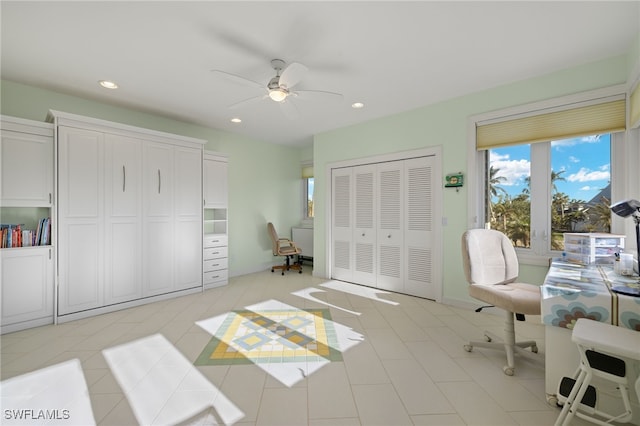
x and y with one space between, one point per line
628 208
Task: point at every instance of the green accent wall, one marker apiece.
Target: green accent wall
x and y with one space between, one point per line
446 124
264 178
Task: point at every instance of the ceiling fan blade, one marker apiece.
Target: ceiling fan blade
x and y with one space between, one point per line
289 109
292 74
319 95
248 101
238 79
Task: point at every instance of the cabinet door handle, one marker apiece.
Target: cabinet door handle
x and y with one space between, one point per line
159 181
124 178
49 198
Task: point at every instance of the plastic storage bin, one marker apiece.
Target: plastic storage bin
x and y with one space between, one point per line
588 248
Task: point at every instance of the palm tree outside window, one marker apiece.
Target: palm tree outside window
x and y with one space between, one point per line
572 177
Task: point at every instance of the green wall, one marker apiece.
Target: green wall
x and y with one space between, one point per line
264 178
445 124
263 185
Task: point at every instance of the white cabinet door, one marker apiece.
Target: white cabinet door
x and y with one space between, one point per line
123 217
27 285
342 258
188 218
390 226
26 169
80 220
365 220
215 192
158 232
419 217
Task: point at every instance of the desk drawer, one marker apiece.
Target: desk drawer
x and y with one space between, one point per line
212 276
214 264
214 240
215 253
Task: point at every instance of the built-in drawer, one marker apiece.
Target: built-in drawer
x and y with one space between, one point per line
215 253
214 264
215 240
212 276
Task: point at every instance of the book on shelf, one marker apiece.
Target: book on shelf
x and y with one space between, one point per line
16 235
11 234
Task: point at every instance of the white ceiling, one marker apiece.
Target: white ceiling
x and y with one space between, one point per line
392 56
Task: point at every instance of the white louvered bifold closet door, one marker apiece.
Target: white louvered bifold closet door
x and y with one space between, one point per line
341 229
390 231
383 218
418 219
364 236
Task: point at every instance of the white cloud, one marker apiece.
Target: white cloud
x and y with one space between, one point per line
494 156
590 139
514 171
588 188
575 141
586 175
574 159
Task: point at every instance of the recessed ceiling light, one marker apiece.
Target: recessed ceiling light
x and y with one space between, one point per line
236 120
108 84
357 105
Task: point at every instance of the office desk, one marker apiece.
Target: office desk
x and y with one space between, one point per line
572 291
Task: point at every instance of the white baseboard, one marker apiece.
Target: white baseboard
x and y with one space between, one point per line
261 267
124 305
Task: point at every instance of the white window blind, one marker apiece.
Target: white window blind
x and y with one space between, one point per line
568 122
307 172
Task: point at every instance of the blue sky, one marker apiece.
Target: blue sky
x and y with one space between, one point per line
586 163
310 189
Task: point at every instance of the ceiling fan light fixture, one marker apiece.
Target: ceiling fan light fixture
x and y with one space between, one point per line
278 94
107 84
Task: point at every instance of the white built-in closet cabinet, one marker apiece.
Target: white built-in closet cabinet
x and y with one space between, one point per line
26 196
129 212
383 218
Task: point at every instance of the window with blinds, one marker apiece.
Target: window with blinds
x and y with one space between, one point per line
548 171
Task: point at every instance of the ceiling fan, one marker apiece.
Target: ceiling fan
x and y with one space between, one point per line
279 88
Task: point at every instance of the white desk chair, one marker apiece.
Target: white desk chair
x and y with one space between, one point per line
491 269
603 349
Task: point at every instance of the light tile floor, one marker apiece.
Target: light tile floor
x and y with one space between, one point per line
403 363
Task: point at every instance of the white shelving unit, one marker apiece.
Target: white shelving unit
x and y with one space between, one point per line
26 176
215 266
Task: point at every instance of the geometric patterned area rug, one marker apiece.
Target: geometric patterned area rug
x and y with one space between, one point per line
273 336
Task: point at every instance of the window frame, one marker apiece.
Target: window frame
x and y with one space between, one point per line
304 185
540 251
